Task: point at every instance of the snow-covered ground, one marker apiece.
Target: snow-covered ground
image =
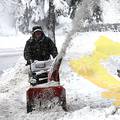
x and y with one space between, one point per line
84 99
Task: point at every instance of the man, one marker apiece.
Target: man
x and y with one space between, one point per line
39 47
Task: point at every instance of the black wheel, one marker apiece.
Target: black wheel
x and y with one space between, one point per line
29 107
64 107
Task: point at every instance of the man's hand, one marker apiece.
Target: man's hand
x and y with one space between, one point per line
29 62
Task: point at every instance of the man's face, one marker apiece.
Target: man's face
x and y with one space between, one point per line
38 35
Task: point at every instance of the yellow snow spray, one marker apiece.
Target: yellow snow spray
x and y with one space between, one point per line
90 67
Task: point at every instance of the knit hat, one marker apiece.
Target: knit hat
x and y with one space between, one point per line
36 28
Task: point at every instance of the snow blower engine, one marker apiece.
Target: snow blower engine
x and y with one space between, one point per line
45 91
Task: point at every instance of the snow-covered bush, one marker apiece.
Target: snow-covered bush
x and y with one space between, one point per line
61 8
31 13
88 12
111 11
7 13
35 12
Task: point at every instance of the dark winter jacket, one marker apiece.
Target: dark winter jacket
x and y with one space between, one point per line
40 49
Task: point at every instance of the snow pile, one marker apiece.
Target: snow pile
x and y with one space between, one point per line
93 114
13 84
12 77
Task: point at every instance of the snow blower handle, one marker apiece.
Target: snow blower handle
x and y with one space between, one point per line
31 61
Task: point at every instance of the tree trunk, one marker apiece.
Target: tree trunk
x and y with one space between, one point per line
51 21
26 18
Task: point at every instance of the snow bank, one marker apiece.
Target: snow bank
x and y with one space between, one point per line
88 113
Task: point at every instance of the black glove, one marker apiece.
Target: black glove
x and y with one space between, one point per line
118 70
29 62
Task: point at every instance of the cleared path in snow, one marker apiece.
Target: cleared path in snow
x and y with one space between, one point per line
8 58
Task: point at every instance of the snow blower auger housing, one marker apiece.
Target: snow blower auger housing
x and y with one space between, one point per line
45 98
48 95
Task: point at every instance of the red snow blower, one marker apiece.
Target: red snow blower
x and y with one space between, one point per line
42 97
